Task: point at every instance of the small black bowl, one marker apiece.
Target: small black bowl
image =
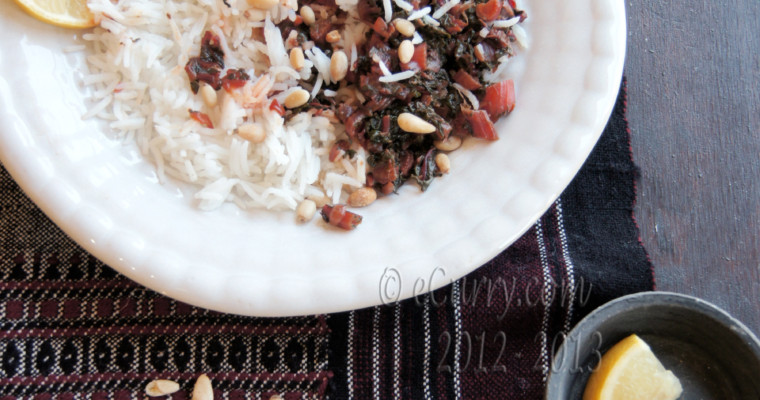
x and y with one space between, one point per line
714 355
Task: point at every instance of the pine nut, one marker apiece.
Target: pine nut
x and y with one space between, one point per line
202 389
275 397
252 132
308 15
208 94
362 197
332 36
414 124
443 163
263 4
320 201
404 27
338 66
405 51
297 98
451 143
161 387
305 211
296 58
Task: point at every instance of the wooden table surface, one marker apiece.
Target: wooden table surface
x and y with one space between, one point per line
693 70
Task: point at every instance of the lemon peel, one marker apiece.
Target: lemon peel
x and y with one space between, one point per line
64 13
631 371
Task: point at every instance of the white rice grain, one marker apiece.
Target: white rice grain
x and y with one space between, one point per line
400 76
404 5
444 8
469 95
418 13
417 39
505 23
317 86
521 36
388 8
381 64
430 21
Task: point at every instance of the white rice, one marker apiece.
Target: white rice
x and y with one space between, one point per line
445 8
381 64
347 5
506 23
419 13
521 36
354 57
388 8
404 5
400 76
137 82
500 73
430 21
468 94
416 38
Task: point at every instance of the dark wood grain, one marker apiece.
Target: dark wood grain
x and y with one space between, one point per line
693 73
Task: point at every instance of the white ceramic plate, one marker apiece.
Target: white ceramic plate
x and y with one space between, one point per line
106 197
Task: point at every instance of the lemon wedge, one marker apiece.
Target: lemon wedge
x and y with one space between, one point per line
630 371
65 13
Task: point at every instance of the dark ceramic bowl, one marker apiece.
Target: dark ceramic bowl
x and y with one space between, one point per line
714 355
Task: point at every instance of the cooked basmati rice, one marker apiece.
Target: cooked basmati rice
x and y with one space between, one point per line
521 36
404 5
381 64
430 21
417 39
137 82
468 94
444 8
400 76
388 8
506 23
419 13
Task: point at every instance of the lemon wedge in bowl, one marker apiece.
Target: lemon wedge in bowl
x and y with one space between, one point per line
631 371
64 13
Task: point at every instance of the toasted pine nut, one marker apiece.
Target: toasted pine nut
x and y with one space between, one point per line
405 51
161 387
296 58
208 94
275 397
305 211
362 197
263 4
404 27
252 132
297 98
332 36
320 201
451 143
308 15
338 65
443 163
202 389
414 124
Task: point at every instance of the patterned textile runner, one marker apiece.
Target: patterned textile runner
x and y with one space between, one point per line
72 328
